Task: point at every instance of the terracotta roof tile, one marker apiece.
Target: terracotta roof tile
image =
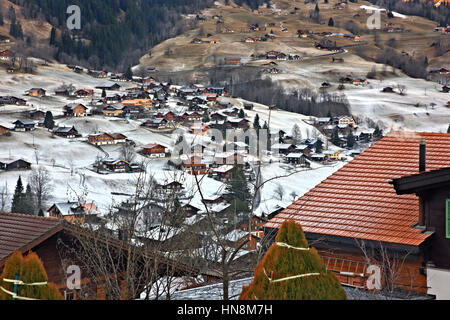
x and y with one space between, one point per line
357 201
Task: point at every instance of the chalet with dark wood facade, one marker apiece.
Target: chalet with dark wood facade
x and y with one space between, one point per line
49 238
24 125
10 165
154 150
66 132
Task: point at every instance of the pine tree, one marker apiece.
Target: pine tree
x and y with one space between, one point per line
256 124
129 74
29 269
53 37
49 123
318 146
350 140
448 130
1 18
103 93
205 117
41 213
238 191
291 270
28 201
17 205
241 114
335 136
331 22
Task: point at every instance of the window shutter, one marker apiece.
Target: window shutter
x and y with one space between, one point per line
447 218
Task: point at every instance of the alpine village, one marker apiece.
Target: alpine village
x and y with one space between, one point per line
225 150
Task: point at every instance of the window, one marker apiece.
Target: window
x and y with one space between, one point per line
69 295
447 219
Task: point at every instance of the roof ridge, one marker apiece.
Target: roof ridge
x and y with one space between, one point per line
12 214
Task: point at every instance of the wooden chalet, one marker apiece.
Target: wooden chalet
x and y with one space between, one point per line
24 125
115 110
400 227
75 110
190 210
3 130
10 100
298 159
84 93
10 165
118 165
66 132
154 150
108 86
432 187
159 123
223 172
284 148
50 237
168 186
73 212
99 139
237 123
37 114
146 103
36 92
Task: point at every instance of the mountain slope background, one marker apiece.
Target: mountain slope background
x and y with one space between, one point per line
114 33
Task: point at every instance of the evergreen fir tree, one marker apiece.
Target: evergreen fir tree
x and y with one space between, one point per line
129 74
17 205
291 270
331 22
1 18
205 117
103 93
49 123
329 114
335 136
256 124
238 191
241 114
28 201
41 213
318 146
448 130
29 269
53 36
350 140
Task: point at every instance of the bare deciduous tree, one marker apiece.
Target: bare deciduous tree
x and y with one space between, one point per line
40 184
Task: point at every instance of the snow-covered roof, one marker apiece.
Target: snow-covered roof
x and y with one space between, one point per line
235 235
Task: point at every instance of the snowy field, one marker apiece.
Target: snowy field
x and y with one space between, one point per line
423 107
70 161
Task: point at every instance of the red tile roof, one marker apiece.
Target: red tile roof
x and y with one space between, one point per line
23 232
357 201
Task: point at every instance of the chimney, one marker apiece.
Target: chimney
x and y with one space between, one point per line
422 155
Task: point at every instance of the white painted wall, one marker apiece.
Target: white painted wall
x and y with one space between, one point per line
438 282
